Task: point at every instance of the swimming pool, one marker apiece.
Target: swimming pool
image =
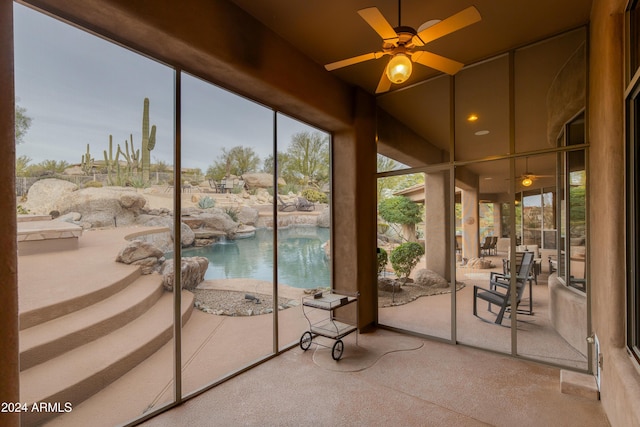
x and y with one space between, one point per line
301 259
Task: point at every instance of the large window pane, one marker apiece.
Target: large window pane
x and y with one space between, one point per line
482 110
415 253
304 221
550 86
227 206
95 328
424 140
486 235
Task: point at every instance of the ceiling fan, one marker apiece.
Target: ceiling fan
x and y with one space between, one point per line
403 43
527 178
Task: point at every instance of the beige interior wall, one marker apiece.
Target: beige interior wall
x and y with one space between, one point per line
9 363
620 378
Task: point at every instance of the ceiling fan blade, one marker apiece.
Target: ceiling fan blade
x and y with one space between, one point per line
378 22
385 84
453 23
437 62
354 60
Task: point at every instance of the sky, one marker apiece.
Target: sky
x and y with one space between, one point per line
79 89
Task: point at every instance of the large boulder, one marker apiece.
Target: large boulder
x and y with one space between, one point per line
324 219
192 274
429 278
44 195
212 220
99 207
260 180
165 242
141 253
248 216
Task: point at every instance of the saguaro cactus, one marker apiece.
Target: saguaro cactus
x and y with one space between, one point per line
110 163
87 162
132 157
148 141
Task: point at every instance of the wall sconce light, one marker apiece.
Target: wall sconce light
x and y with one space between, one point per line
399 68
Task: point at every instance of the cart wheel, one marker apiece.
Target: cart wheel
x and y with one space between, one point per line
336 351
305 340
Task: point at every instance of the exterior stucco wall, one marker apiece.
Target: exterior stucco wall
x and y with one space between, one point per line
620 378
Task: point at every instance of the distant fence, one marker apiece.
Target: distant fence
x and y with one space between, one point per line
23 183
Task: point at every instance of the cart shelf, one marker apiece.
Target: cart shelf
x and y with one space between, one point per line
328 327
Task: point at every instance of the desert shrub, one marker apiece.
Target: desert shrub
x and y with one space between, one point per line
206 202
383 257
288 188
196 183
137 181
22 210
314 195
93 184
405 257
232 212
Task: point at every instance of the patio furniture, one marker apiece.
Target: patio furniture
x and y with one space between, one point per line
493 246
486 246
302 204
536 268
285 206
499 292
215 186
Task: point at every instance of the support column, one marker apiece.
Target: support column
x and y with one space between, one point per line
470 226
437 226
497 219
354 209
9 356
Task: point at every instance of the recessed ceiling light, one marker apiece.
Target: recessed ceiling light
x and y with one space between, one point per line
482 132
472 117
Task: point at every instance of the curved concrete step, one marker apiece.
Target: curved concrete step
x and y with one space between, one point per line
86 292
48 340
76 375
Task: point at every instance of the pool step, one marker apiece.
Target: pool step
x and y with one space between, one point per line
48 340
79 373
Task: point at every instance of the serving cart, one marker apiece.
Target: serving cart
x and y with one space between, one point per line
327 326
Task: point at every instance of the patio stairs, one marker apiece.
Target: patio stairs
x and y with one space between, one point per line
74 348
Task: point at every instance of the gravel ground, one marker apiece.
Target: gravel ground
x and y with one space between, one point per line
410 292
234 303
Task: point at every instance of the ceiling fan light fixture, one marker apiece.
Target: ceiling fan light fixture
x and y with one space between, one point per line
399 68
526 181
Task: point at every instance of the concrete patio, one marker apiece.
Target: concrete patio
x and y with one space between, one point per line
387 377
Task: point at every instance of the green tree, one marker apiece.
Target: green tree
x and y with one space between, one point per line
23 123
308 157
404 258
401 210
236 161
22 163
244 160
54 166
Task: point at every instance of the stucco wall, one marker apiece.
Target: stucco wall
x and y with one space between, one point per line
620 380
568 313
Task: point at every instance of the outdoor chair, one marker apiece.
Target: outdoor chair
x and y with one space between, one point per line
486 246
303 204
493 245
535 268
214 186
285 206
499 292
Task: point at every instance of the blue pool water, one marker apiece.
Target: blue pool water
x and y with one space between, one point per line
301 259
